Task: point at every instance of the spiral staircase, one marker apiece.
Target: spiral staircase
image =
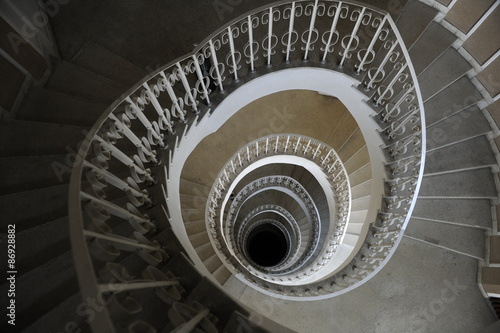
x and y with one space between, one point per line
360 138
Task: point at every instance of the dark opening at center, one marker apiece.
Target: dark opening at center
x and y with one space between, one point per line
267 245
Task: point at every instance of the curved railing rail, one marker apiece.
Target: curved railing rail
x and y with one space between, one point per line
109 196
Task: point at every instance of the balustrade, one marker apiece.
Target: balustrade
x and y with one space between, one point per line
126 145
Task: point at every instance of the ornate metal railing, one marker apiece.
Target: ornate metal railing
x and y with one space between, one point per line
312 219
110 198
221 226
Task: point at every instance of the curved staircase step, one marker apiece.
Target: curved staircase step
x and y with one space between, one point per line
464 125
471 212
189 215
42 243
222 274
461 239
188 187
342 132
468 154
199 239
357 161
358 216
193 202
431 44
478 183
37 171
456 97
32 208
442 72
21 138
43 288
360 203
73 80
50 106
205 251
110 65
361 175
355 142
212 263
74 318
361 190
413 21
195 227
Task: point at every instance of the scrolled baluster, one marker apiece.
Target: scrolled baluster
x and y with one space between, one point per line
143 148
369 52
348 48
154 136
271 40
138 197
202 79
379 74
291 36
251 47
235 56
191 93
330 41
309 42
177 103
388 92
137 169
398 127
401 146
215 68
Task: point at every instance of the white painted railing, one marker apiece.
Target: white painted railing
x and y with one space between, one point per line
145 126
332 176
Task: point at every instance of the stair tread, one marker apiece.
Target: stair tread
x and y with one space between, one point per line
456 97
31 208
69 309
361 175
358 160
478 183
361 190
459 238
21 138
473 212
431 44
222 274
74 80
342 132
472 153
43 288
414 19
55 107
37 171
212 263
466 124
42 243
110 65
355 142
443 71
360 203
193 189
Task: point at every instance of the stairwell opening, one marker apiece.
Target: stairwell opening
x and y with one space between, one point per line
266 245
